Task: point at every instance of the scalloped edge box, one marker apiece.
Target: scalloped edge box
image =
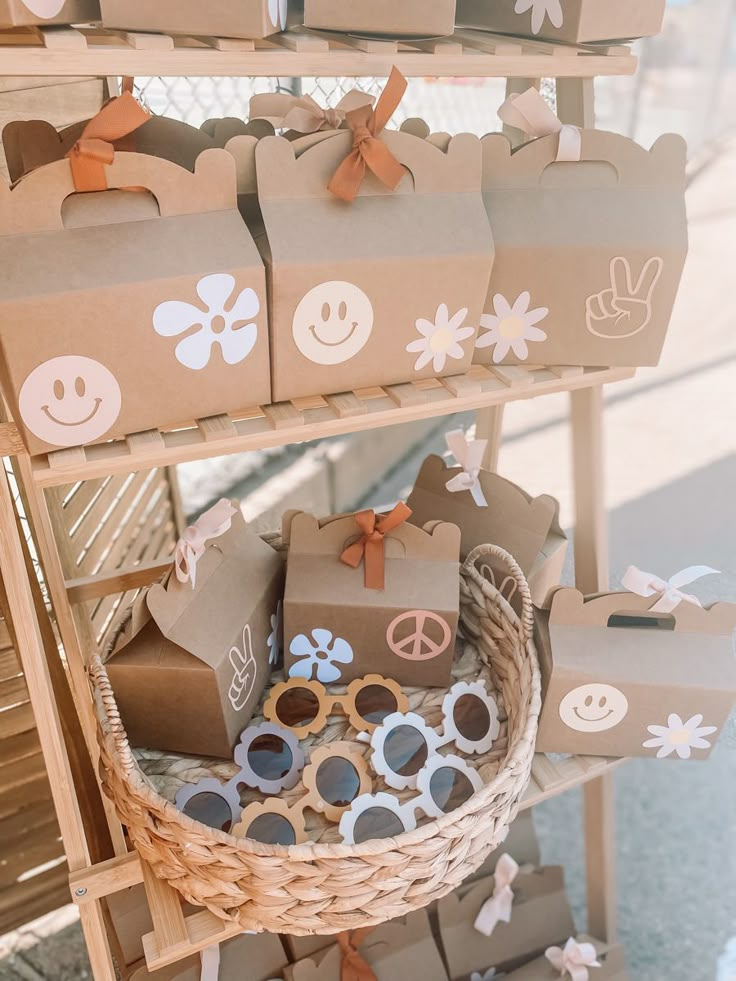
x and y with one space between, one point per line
611 958
250 19
417 18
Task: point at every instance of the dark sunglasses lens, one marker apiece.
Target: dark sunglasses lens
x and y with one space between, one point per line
270 758
450 788
405 750
374 702
297 707
338 782
272 829
209 809
377 822
472 718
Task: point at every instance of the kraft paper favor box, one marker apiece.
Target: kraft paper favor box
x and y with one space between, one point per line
576 21
409 17
540 917
28 13
610 957
181 292
527 527
216 18
259 958
601 291
191 663
611 669
337 629
352 285
401 949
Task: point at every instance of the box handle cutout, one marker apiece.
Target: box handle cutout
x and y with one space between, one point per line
642 620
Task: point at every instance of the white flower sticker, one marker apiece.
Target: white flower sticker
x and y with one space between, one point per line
277 10
489 975
541 9
273 641
321 656
229 327
512 327
440 340
44 8
679 737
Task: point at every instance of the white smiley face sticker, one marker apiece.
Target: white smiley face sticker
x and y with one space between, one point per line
332 323
44 8
70 400
593 708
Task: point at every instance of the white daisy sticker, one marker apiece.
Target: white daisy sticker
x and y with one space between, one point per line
679 737
440 340
512 327
541 9
321 654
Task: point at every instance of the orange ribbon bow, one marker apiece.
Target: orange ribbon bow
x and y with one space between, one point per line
94 149
354 966
374 527
368 151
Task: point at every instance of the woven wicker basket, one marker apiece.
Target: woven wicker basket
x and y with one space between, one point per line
327 888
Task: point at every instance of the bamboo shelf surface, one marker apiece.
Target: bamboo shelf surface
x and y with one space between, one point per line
300 52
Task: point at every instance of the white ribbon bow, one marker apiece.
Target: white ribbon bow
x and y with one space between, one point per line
646 584
499 906
529 112
190 547
302 113
574 959
469 456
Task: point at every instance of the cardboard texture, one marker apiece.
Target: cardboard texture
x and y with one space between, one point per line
259 958
26 13
402 948
611 669
216 18
175 279
190 665
611 958
566 289
386 289
410 17
527 527
576 21
336 629
540 917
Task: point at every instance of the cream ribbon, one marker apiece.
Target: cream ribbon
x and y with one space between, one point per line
210 958
302 114
469 456
190 547
499 906
646 584
574 959
529 112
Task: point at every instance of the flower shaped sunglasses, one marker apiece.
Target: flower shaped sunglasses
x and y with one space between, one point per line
270 760
334 779
303 706
444 784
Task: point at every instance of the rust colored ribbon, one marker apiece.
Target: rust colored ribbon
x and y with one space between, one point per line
371 545
94 150
368 150
354 966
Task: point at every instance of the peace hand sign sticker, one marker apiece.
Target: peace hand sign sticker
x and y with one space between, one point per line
418 635
625 308
245 670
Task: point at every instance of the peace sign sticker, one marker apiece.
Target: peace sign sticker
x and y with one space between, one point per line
625 308
418 635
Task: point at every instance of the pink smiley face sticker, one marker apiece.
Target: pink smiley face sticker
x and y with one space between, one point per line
70 400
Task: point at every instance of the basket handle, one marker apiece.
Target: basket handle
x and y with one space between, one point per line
470 569
101 683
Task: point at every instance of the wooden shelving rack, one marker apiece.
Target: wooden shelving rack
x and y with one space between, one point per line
91 51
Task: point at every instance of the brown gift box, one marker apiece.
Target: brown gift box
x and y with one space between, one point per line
191 664
577 21
344 630
24 13
149 278
527 527
352 286
258 957
589 253
540 916
409 17
611 669
216 18
611 958
401 949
